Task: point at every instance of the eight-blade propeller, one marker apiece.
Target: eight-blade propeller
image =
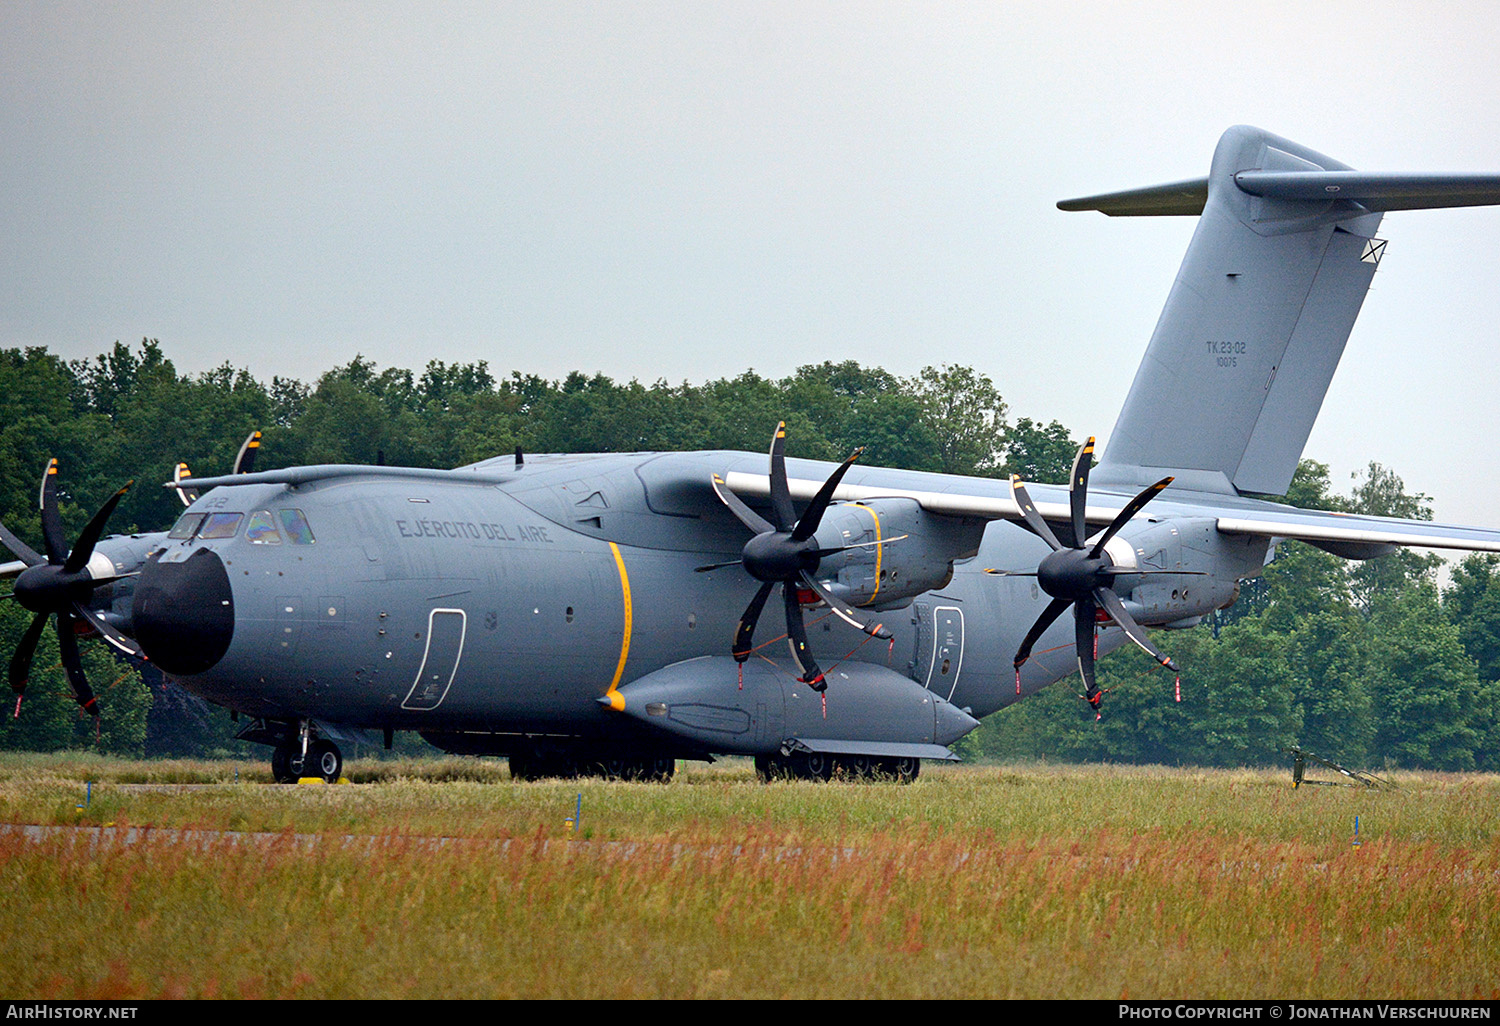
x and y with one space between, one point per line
61 585
786 553
1081 574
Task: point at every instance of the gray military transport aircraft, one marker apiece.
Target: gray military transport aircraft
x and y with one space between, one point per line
598 613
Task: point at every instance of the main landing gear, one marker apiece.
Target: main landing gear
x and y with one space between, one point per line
822 766
539 765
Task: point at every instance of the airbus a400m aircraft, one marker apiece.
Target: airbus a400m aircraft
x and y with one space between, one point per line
608 612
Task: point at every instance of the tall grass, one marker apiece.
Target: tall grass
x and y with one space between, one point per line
995 882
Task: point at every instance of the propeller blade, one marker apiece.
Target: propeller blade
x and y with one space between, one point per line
1033 518
1011 573
67 644
844 611
1078 490
1122 518
796 633
820 553
1049 615
748 619
18 548
20 662
79 557
781 496
808 525
181 473
52 526
746 515
1135 571
1083 634
717 566
245 461
1116 610
108 633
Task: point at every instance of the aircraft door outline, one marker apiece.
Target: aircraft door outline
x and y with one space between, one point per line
440 659
947 647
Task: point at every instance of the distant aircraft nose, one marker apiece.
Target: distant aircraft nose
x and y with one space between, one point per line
183 612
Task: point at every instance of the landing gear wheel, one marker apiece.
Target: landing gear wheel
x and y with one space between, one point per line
286 764
903 770
658 771
325 760
812 766
616 769
522 767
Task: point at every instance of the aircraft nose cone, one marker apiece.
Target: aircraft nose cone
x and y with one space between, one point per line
952 723
183 613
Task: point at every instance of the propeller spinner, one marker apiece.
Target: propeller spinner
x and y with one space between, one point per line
786 553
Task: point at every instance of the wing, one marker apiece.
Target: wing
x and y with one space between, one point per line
1343 533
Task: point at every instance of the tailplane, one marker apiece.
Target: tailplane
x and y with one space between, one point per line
1256 321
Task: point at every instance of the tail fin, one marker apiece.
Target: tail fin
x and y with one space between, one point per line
1256 321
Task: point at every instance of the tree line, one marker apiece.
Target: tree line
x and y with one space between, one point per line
1366 662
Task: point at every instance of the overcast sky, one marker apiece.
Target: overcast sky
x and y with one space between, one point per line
688 190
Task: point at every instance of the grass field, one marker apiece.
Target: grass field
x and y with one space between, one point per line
1034 881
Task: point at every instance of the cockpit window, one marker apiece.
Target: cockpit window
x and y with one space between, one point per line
221 525
261 530
296 527
186 525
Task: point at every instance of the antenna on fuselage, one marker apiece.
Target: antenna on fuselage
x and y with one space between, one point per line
520 458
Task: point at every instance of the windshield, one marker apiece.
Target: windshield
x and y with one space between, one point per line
186 525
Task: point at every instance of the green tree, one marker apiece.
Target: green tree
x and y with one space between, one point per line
966 415
1382 493
1424 685
1327 651
1039 453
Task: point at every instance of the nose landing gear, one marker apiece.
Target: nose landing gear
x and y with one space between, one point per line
297 751
322 759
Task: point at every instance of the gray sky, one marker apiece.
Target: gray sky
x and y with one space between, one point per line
688 190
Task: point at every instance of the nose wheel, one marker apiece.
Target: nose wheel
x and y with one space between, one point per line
322 760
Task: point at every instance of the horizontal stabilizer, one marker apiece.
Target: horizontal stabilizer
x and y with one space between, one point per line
1374 190
1176 198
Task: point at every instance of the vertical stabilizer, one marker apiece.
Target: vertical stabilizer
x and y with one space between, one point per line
1257 319
1253 328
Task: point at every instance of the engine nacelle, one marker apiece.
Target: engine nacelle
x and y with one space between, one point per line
1211 566
890 575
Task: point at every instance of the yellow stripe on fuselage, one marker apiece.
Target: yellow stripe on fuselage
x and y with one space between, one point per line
878 547
617 700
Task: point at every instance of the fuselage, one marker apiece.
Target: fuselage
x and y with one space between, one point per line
515 601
